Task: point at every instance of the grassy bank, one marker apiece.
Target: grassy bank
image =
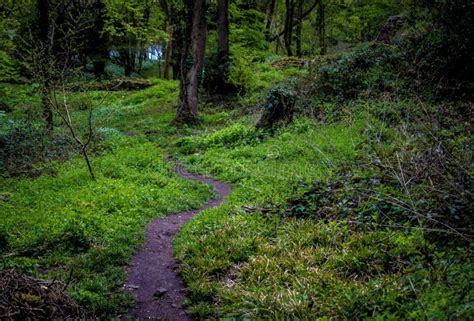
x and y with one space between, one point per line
62 225
308 233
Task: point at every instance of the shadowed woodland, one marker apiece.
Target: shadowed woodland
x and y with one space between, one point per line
342 130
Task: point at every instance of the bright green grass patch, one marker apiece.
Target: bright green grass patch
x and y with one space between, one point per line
147 111
55 225
242 264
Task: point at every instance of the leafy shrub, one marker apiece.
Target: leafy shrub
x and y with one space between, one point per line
320 226
242 74
114 71
107 139
78 232
370 69
21 145
278 108
443 63
347 197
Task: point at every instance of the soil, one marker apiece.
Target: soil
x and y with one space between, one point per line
153 276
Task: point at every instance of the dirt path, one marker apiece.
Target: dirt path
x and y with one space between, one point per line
153 275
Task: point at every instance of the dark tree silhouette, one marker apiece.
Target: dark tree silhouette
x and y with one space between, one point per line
223 42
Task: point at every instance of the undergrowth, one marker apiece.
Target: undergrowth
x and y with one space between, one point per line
62 225
314 229
361 211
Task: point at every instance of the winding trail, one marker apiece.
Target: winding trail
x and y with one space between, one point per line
153 276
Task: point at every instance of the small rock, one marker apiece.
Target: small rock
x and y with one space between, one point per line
131 286
160 292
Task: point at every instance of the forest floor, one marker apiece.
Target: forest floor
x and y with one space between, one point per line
308 231
153 277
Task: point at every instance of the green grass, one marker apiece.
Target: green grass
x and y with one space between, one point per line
241 264
67 223
330 259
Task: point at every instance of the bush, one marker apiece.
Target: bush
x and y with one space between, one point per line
22 144
242 74
114 71
367 69
278 109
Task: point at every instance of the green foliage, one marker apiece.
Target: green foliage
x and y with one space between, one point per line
343 247
358 216
234 135
366 70
137 20
246 28
8 68
359 21
441 50
278 109
132 27
347 197
21 146
55 224
114 71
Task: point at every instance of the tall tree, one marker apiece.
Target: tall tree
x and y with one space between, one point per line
322 28
132 26
271 12
299 28
291 24
99 40
189 73
288 35
170 29
168 51
223 41
45 38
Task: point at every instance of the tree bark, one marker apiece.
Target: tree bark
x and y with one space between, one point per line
223 32
288 36
127 62
223 42
299 29
100 51
305 14
189 76
44 37
168 50
271 12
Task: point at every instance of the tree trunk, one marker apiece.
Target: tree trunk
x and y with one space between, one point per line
271 12
189 76
289 26
168 50
44 37
223 42
127 66
322 28
100 51
299 28
47 108
304 15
